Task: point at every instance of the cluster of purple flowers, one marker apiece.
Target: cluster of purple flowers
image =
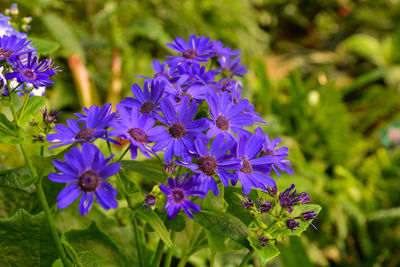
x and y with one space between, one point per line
21 71
196 117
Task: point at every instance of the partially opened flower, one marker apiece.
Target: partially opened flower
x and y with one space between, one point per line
85 172
177 192
287 199
232 67
95 121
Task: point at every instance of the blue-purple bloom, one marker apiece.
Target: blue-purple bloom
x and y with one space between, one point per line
255 171
292 224
309 216
177 192
11 46
196 49
232 67
51 115
85 171
288 199
265 205
182 130
138 129
269 148
214 162
148 100
227 118
96 120
31 71
220 51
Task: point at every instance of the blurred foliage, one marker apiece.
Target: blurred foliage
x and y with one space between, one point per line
325 74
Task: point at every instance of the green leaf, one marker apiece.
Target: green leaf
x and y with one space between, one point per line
177 224
303 225
223 224
91 247
64 34
17 178
25 240
8 132
33 105
44 47
155 222
147 169
266 253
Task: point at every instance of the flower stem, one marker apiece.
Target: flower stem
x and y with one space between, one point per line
158 255
168 258
246 258
123 154
137 240
40 194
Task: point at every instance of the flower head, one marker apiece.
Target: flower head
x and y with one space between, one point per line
232 67
177 192
182 130
196 49
213 162
148 100
85 171
96 120
309 216
292 224
288 199
11 46
220 51
32 71
137 128
247 203
51 115
265 206
149 200
255 170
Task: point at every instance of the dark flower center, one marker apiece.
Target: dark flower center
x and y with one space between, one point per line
89 181
222 122
138 135
285 202
190 53
208 165
178 195
246 166
177 130
147 107
85 134
268 152
5 53
29 74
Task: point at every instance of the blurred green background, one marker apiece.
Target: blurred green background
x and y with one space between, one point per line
324 74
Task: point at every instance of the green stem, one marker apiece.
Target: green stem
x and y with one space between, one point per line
246 258
123 154
137 240
187 252
40 194
24 105
158 255
42 150
168 258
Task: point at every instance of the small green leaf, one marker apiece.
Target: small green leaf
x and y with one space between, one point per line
266 253
147 169
223 224
25 240
177 224
44 47
92 247
8 132
33 105
155 222
18 178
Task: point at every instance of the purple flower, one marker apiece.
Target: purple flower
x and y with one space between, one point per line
255 171
247 203
263 240
181 130
149 200
232 67
292 224
32 71
11 46
177 192
269 148
147 101
220 51
161 72
227 118
265 206
85 171
95 122
272 190
197 74
288 199
214 162
138 129
51 115
196 49
308 216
